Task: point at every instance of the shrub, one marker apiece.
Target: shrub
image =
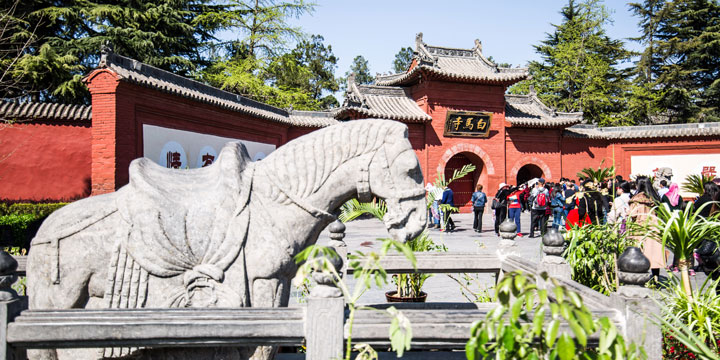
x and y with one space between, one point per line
20 221
592 253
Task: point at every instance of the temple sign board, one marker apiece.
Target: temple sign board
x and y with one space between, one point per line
467 124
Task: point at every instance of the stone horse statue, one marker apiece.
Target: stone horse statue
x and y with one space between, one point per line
220 236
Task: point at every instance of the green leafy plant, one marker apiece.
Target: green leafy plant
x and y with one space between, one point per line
410 285
682 231
519 328
695 183
472 288
441 183
597 175
592 253
367 271
700 313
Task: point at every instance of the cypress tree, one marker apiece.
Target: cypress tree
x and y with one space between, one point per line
579 68
169 34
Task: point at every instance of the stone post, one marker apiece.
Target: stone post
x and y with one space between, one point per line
508 233
552 261
337 234
325 317
10 304
639 308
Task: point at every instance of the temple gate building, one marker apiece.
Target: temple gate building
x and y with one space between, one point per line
453 101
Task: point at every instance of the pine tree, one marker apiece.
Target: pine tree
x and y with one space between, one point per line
402 60
579 68
689 76
361 69
169 34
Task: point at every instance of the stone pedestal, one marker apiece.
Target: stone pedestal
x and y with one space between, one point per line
324 326
337 234
10 304
552 261
639 307
508 233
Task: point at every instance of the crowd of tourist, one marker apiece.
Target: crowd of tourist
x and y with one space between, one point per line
571 203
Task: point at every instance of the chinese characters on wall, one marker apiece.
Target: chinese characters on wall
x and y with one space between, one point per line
709 171
464 123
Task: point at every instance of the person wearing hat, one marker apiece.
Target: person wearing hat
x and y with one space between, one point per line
499 204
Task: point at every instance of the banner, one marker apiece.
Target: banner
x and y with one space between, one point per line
681 165
181 149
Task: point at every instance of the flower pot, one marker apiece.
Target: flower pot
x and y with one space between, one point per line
390 297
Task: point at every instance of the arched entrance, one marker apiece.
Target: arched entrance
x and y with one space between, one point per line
463 188
528 172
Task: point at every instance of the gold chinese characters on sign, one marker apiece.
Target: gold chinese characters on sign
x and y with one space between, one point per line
465 123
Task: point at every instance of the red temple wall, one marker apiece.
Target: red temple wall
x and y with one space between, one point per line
45 160
578 154
123 109
540 147
439 97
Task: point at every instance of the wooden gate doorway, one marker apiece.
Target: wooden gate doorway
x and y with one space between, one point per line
528 172
464 187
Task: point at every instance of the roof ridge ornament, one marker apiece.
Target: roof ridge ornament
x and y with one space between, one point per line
105 50
424 56
478 46
353 97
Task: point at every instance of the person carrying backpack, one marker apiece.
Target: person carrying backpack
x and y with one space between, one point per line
540 200
479 199
499 204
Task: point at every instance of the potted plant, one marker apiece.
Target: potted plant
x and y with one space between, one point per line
409 286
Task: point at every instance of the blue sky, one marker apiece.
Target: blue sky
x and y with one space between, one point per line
508 29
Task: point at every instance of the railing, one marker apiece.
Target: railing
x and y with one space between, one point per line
321 324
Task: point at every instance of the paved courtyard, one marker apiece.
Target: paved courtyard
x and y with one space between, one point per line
362 235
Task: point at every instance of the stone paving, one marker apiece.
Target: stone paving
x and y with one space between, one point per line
362 235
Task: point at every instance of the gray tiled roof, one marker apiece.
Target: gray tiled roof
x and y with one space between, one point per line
44 111
646 131
145 75
466 65
314 118
386 102
529 111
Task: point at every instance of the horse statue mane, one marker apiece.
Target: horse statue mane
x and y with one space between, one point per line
220 236
303 164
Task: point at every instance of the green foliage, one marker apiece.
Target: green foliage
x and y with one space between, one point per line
700 313
361 69
682 231
519 328
299 79
38 210
441 183
597 175
262 24
163 33
592 253
579 68
681 60
403 59
410 285
23 219
366 271
473 288
695 183
352 209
